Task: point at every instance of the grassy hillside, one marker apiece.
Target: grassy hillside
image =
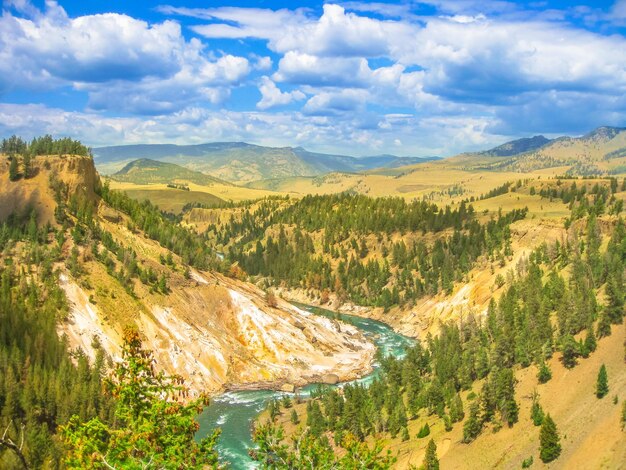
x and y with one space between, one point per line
590 428
161 192
172 199
146 171
599 152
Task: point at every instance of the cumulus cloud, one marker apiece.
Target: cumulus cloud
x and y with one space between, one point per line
272 96
472 57
305 69
359 73
335 33
138 61
339 102
442 136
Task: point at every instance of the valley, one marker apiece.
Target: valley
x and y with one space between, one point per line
496 269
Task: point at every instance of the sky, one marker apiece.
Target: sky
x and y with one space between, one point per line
411 78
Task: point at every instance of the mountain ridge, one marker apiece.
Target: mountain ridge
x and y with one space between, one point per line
243 162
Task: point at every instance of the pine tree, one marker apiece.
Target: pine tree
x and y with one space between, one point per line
473 426
456 409
424 431
591 342
570 351
602 385
614 291
294 417
544 374
536 412
604 325
430 460
549 441
27 166
13 171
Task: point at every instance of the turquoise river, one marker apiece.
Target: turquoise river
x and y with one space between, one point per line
234 412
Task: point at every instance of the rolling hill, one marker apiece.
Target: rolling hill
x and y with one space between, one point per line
242 162
146 171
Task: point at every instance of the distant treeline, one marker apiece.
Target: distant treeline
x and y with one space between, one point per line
182 187
45 145
324 243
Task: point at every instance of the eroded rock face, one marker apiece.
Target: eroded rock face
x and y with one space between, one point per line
215 332
241 342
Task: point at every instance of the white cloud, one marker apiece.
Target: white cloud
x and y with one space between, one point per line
456 79
335 33
441 136
146 67
272 96
305 69
346 100
464 57
261 63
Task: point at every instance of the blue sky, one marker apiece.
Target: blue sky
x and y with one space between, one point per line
432 77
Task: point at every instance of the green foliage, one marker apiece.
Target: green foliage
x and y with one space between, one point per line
549 441
41 385
310 451
275 242
430 459
544 373
152 427
192 248
27 166
536 412
456 409
570 350
473 425
527 463
45 145
13 169
424 431
602 384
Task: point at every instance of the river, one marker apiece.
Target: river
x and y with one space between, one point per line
234 412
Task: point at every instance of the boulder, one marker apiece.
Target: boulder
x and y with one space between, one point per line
330 379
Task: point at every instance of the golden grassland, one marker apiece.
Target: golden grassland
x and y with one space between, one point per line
172 200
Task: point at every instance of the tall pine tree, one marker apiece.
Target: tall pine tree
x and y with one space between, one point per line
549 440
602 384
430 460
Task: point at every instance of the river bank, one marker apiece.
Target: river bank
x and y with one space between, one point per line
235 411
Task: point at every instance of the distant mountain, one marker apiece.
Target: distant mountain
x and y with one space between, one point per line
602 151
604 133
146 171
327 163
515 147
242 162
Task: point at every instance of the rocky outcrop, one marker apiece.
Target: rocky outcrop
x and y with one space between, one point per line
218 333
